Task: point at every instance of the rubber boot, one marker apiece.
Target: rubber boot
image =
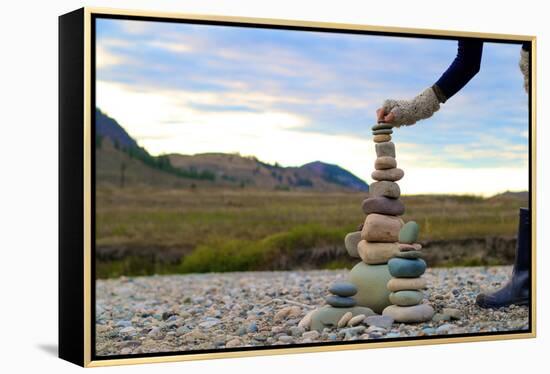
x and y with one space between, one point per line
516 291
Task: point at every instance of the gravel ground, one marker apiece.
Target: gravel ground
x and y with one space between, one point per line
228 310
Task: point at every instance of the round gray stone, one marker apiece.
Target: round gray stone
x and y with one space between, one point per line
371 281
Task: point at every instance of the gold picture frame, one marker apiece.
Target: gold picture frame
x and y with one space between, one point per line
76 225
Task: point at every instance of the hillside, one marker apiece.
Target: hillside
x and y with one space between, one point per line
233 169
117 167
121 161
107 127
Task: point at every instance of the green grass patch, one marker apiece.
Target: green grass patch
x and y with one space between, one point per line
246 255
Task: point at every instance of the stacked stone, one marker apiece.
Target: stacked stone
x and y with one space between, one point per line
376 243
407 283
390 270
341 310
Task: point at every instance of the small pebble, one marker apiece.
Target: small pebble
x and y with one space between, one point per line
233 343
312 335
356 320
345 319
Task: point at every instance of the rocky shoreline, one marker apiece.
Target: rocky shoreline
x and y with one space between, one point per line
229 310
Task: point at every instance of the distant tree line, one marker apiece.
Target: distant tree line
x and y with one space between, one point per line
161 162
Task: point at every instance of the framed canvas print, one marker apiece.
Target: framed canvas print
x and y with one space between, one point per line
237 186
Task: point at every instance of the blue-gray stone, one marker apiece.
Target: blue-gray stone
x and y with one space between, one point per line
429 330
406 267
342 289
340 302
252 327
123 323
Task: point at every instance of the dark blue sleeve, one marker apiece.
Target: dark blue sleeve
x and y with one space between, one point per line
465 65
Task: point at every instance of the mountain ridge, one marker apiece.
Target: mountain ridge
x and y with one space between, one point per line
209 168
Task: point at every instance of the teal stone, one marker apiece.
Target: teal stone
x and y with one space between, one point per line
406 267
382 126
340 302
342 289
409 233
382 132
406 298
329 316
409 254
371 281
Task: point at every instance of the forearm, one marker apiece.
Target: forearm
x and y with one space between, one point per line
464 67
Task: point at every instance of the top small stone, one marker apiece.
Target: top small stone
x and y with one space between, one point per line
344 289
382 126
409 233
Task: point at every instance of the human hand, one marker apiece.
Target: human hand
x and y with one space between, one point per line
408 112
383 117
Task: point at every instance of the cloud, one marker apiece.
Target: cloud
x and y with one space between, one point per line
105 58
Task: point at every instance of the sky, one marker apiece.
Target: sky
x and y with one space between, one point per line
294 97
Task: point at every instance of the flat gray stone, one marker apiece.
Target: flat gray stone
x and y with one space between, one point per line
406 298
382 126
385 322
385 162
409 314
392 175
343 289
340 302
350 241
453 313
409 254
382 132
383 205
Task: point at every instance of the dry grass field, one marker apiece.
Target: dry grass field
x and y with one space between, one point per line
147 230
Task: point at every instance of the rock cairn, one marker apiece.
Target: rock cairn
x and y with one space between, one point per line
377 241
388 279
407 283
